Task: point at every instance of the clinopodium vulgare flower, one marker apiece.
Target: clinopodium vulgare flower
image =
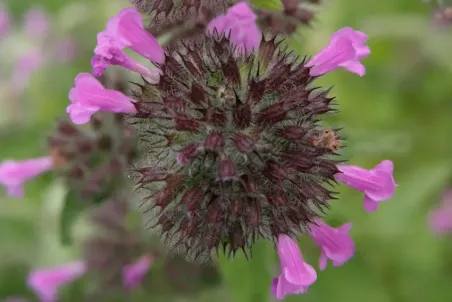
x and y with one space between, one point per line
223 136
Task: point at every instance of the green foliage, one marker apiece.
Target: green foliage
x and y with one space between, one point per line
249 281
72 209
267 4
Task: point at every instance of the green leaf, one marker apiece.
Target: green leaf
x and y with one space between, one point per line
268 4
72 209
17 236
249 281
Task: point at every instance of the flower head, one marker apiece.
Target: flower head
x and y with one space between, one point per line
13 174
237 146
376 184
89 96
240 23
336 243
46 282
440 219
133 273
296 275
122 31
345 49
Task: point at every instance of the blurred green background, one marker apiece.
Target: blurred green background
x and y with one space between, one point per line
400 110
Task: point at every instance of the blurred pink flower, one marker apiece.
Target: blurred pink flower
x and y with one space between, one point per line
37 23
4 21
345 49
13 174
296 275
46 282
24 68
133 274
376 184
240 22
66 49
440 219
336 243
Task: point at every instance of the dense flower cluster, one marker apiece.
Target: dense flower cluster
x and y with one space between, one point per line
223 138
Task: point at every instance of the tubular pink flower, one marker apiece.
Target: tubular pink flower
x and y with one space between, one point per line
46 282
133 274
296 275
89 96
13 174
4 21
37 23
345 49
120 58
440 219
240 23
122 31
376 184
336 243
130 27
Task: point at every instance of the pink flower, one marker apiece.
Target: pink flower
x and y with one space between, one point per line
336 244
37 23
345 49
134 273
89 96
296 275
4 21
46 282
126 30
440 219
13 174
377 184
240 23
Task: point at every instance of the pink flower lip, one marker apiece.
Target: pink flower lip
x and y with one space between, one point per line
377 184
335 243
89 96
345 50
296 275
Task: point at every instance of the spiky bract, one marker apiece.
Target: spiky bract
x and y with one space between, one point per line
231 149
